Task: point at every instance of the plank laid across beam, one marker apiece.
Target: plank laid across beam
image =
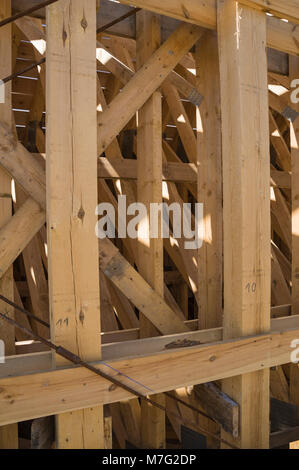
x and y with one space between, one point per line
280 35
126 343
58 391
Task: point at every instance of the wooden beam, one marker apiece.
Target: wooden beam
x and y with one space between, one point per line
124 74
280 179
209 151
288 9
22 165
294 131
76 388
180 119
108 12
72 199
219 406
42 433
31 357
149 190
171 171
8 434
279 288
28 220
281 211
280 35
118 336
209 163
279 143
137 290
35 275
144 83
283 414
246 210
283 438
18 232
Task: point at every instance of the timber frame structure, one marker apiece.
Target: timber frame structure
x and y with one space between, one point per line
181 101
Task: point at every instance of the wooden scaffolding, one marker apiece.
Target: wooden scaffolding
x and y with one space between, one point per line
177 101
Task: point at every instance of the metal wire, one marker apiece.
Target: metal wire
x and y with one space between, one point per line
25 312
118 20
27 69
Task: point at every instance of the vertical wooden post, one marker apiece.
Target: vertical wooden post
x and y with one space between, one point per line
72 199
209 163
149 190
246 198
210 182
8 434
294 129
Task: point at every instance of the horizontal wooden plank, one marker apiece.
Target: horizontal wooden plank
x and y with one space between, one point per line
108 12
280 35
288 9
119 336
42 394
283 438
127 169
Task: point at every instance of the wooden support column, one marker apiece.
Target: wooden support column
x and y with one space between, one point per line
72 199
294 129
246 198
210 183
209 154
8 434
149 190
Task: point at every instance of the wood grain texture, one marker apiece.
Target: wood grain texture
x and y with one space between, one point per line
72 199
58 391
8 435
246 202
